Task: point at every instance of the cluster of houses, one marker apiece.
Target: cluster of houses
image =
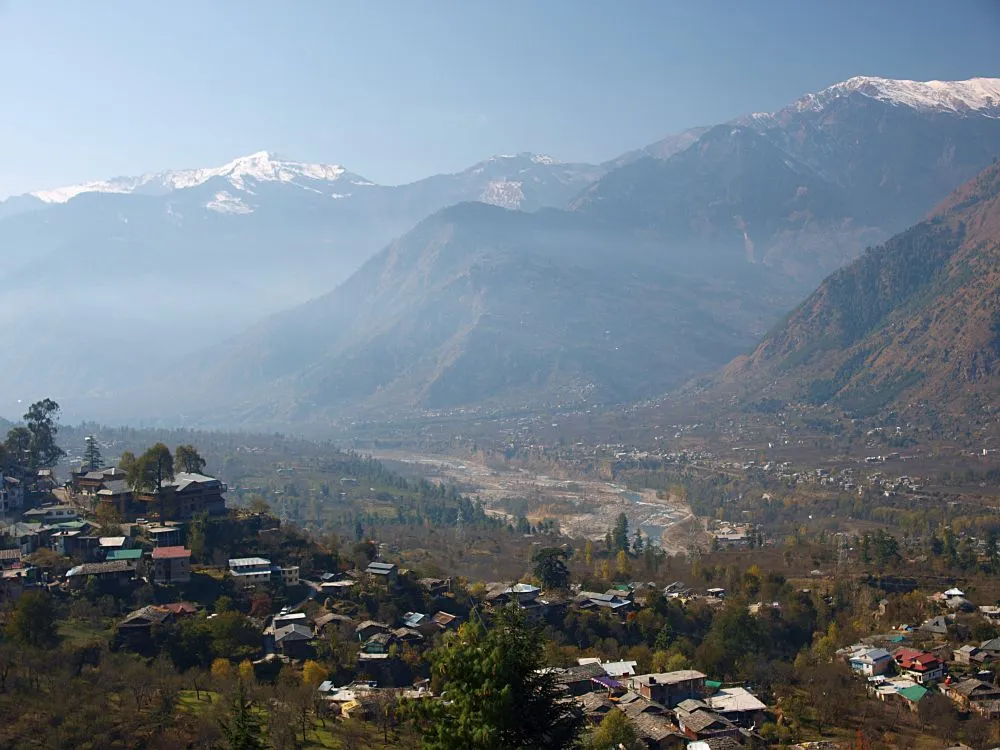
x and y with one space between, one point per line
667 709
897 672
182 497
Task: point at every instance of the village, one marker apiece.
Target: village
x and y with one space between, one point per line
379 650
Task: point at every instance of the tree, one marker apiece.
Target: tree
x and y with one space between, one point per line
615 731
313 673
619 534
32 623
221 669
18 445
551 569
621 563
245 671
151 470
496 698
126 462
40 420
242 729
92 460
187 458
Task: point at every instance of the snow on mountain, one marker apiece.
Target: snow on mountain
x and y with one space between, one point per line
957 97
259 167
504 193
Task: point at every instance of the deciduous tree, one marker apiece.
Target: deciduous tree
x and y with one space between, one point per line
187 458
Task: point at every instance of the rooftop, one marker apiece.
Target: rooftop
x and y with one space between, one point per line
170 553
670 678
735 699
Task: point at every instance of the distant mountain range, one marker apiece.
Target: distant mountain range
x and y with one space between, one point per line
663 263
913 324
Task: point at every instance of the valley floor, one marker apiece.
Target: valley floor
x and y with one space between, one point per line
583 507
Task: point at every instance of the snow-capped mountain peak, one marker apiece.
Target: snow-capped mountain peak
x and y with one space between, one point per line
958 97
262 166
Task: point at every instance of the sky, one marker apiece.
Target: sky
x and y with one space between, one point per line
399 90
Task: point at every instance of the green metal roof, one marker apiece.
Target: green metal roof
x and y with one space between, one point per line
914 693
714 684
124 554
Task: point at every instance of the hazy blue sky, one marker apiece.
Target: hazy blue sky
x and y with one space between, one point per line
399 90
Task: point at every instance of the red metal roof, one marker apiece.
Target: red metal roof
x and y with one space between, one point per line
169 553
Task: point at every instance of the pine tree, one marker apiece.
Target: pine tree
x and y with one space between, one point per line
242 730
497 696
92 459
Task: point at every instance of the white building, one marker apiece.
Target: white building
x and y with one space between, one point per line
250 569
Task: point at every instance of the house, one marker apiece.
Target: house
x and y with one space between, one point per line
595 706
289 618
936 626
386 573
135 555
50 514
445 620
579 679
610 600
435 586
338 589
702 723
740 706
716 593
180 609
25 536
91 482
409 636
415 619
73 542
991 647
117 495
15 580
331 620
953 593
971 655
10 558
522 593
117 571
379 643
137 627
670 688
871 661
923 667
251 570
183 497
171 565
990 612
11 493
108 543
166 536
960 604
967 694
287 575
368 628
619 669
294 641
657 732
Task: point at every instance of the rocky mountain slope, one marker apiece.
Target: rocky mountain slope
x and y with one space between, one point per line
915 321
750 215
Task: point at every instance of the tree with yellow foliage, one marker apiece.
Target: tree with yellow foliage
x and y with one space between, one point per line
222 669
622 566
588 552
605 571
313 673
246 671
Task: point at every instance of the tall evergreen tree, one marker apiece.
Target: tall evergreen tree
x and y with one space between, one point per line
40 421
92 459
496 697
242 729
